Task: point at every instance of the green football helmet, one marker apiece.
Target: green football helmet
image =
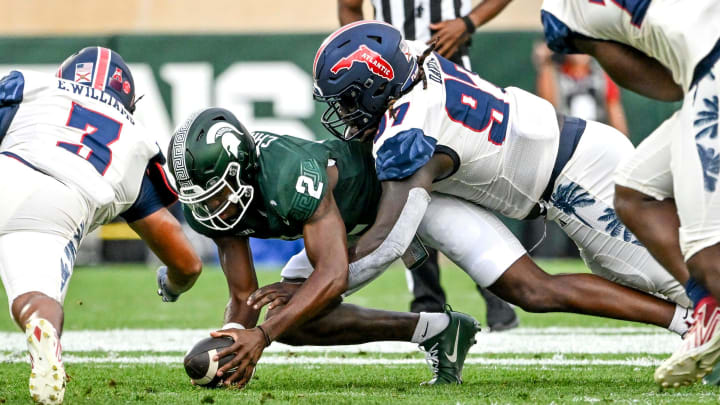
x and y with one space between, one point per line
213 161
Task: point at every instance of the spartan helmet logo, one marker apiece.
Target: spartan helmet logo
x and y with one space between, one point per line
228 135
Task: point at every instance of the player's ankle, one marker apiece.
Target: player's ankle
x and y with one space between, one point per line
696 292
430 325
681 321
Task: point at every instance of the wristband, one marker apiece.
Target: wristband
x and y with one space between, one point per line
233 325
267 338
469 25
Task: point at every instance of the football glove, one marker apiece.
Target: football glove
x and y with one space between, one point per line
164 291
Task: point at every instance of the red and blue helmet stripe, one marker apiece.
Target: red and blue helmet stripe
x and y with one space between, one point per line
102 69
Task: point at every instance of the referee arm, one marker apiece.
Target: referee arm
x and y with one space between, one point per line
451 34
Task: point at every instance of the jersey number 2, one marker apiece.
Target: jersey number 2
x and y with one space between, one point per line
100 132
306 185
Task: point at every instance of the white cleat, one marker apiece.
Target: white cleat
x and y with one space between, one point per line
47 374
699 352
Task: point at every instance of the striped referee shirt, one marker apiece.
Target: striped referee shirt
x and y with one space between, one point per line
413 17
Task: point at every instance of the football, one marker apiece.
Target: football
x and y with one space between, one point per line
199 363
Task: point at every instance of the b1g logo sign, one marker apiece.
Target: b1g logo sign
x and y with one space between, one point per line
193 86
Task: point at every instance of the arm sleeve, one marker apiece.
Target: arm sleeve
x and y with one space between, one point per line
155 192
368 268
149 200
401 155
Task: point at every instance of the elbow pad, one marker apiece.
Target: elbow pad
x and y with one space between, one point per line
367 268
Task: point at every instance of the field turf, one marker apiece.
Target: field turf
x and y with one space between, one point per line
592 360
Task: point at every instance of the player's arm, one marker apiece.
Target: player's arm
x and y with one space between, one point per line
163 234
326 245
632 69
236 263
451 34
400 211
161 231
350 11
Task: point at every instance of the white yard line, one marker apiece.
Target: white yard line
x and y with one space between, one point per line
522 340
558 360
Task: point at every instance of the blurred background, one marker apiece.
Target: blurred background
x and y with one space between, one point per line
255 58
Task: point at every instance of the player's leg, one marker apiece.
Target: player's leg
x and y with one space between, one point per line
695 163
493 257
36 285
347 324
424 284
655 224
696 171
529 287
40 230
644 198
582 204
447 332
499 314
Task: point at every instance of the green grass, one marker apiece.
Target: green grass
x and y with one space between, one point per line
274 384
123 296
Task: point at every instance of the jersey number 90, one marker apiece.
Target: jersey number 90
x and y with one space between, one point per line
475 109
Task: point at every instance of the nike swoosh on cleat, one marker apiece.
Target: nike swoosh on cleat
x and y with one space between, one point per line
453 356
426 328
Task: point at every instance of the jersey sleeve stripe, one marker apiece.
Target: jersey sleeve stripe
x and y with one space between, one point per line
163 176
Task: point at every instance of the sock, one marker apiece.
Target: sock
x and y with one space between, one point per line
695 291
430 325
681 320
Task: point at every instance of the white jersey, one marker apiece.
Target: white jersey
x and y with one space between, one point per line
81 136
677 33
504 141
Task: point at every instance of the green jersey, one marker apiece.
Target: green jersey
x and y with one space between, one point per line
292 180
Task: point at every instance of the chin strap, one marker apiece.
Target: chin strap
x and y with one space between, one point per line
367 268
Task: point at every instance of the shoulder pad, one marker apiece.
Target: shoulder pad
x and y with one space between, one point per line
401 155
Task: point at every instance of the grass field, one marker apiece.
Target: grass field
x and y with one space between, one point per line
122 345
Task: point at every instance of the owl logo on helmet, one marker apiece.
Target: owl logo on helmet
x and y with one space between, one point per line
102 69
357 70
212 158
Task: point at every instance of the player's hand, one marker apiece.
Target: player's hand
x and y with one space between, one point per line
273 295
450 35
164 291
248 347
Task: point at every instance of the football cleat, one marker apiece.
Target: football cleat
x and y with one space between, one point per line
47 374
445 353
699 351
714 377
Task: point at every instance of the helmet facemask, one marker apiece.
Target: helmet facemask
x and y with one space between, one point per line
213 207
345 117
358 70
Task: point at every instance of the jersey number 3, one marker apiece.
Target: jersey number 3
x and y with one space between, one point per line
99 132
